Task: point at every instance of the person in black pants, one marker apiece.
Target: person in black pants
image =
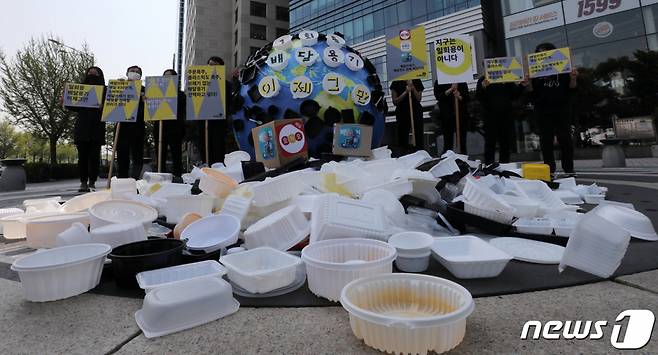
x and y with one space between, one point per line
551 98
89 134
173 132
496 101
130 146
216 128
445 95
400 91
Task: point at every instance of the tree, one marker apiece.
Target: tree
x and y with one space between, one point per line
32 84
8 139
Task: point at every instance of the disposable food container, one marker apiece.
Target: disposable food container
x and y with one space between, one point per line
413 160
41 232
148 280
130 259
413 250
236 158
118 234
212 233
172 189
277 189
78 233
502 216
281 230
535 225
177 206
338 217
469 257
216 184
121 211
528 250
83 202
14 227
262 269
636 223
123 189
237 206
9 212
564 222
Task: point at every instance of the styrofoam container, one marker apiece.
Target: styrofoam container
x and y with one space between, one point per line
123 189
523 207
262 269
281 230
445 167
216 184
121 211
388 202
407 313
237 206
41 232
535 225
178 206
568 196
277 189
62 272
502 216
399 187
184 305
9 212
537 190
413 250
596 246
381 153
478 194
48 204
148 280
593 199
83 202
636 223
212 233
118 234
76 234
39 201
332 264
415 159
152 177
564 222
13 227
469 257
338 217
619 204
172 189
236 158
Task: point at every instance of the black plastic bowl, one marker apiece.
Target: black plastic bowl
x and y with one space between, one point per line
130 259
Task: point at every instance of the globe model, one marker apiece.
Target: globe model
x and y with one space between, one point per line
310 76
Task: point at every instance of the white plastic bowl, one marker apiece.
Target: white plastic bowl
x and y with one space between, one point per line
118 234
338 217
83 202
413 250
636 223
62 272
215 183
281 230
184 305
277 189
9 212
13 227
41 232
407 313
148 280
332 264
212 233
177 206
121 211
469 257
261 270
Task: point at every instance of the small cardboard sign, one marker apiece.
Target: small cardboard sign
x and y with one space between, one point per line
354 140
553 62
82 95
279 142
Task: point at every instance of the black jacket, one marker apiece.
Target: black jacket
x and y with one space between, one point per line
402 109
551 92
88 127
447 102
497 98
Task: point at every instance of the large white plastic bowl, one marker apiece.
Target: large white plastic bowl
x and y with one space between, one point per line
121 211
636 223
407 313
212 233
332 264
62 272
83 202
118 234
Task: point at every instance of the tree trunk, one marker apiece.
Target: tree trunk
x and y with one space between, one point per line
53 150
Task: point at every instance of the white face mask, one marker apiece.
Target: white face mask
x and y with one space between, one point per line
134 75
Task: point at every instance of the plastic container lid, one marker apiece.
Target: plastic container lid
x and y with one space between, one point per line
445 167
185 304
215 183
300 280
413 160
568 196
118 234
236 158
60 257
339 217
277 189
389 202
280 230
212 233
148 280
84 202
121 211
529 250
482 197
636 223
467 249
564 222
237 206
40 201
411 244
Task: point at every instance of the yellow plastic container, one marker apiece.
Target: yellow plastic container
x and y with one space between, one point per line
533 171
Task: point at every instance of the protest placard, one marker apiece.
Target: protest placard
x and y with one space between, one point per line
161 102
553 62
503 69
455 59
406 54
122 101
206 97
81 95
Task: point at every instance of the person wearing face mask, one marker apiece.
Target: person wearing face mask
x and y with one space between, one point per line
130 145
89 134
445 95
551 97
216 128
173 132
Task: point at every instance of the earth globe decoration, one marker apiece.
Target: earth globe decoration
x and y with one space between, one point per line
311 76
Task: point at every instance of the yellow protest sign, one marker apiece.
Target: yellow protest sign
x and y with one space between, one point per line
161 98
406 54
454 58
553 62
81 95
122 101
503 69
205 90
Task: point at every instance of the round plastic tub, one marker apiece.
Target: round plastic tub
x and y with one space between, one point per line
130 259
177 206
121 211
9 212
407 313
281 230
212 233
414 249
61 272
13 227
41 232
216 184
118 234
83 202
332 264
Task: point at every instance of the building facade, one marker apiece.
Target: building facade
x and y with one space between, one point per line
231 29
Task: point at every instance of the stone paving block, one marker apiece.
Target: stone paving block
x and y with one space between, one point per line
645 280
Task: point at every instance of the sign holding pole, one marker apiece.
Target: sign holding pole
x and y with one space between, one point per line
454 59
553 62
116 140
82 95
206 96
406 53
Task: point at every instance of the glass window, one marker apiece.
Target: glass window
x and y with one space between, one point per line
651 18
404 14
514 6
418 8
378 20
606 29
257 31
435 6
590 57
358 28
347 28
282 14
653 42
391 16
258 9
368 26
522 45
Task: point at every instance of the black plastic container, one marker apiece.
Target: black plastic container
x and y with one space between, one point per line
130 259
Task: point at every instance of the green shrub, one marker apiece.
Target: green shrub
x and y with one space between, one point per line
42 172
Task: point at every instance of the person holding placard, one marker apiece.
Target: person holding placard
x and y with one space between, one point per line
497 106
400 91
173 132
89 134
445 95
130 144
551 96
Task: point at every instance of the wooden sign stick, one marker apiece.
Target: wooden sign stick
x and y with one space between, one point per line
114 150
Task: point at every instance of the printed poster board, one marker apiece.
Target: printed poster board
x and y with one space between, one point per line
161 102
553 62
206 96
122 101
504 69
406 54
454 58
82 95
